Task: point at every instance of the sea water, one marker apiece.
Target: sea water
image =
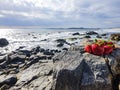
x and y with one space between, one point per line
31 37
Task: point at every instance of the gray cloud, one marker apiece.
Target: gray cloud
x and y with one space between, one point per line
60 13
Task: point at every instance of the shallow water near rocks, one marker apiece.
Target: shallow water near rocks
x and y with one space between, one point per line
28 38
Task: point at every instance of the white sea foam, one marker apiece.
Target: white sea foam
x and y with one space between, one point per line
42 37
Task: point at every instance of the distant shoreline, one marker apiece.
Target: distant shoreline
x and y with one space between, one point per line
29 27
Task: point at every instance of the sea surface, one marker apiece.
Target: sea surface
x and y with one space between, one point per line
31 37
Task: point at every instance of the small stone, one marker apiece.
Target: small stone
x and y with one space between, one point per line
16 59
87 36
61 41
60 45
9 81
77 33
34 37
66 49
91 33
48 53
44 40
42 49
103 34
36 50
98 36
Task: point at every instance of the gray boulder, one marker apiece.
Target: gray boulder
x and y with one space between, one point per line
3 42
77 33
76 71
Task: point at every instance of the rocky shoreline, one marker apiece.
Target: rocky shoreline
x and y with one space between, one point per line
20 69
66 69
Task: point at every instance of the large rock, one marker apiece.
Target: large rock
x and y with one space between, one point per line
68 68
72 69
37 77
76 71
3 42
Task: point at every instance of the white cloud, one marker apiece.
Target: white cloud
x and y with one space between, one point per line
26 14
1 15
83 12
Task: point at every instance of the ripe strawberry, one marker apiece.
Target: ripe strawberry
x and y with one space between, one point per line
107 49
111 44
88 49
97 50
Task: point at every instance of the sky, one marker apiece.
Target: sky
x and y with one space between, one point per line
60 13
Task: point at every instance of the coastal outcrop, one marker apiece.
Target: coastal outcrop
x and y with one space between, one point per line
82 71
27 69
70 69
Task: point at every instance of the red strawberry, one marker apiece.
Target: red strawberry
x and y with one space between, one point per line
107 49
97 50
88 49
111 44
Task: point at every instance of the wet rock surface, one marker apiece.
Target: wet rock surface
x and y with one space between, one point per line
87 36
3 42
60 45
61 41
69 69
77 33
91 33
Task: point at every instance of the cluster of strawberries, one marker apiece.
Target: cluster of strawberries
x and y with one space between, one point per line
100 47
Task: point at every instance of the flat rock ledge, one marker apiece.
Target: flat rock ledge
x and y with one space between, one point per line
82 71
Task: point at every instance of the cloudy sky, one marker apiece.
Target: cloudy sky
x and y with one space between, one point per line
60 13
